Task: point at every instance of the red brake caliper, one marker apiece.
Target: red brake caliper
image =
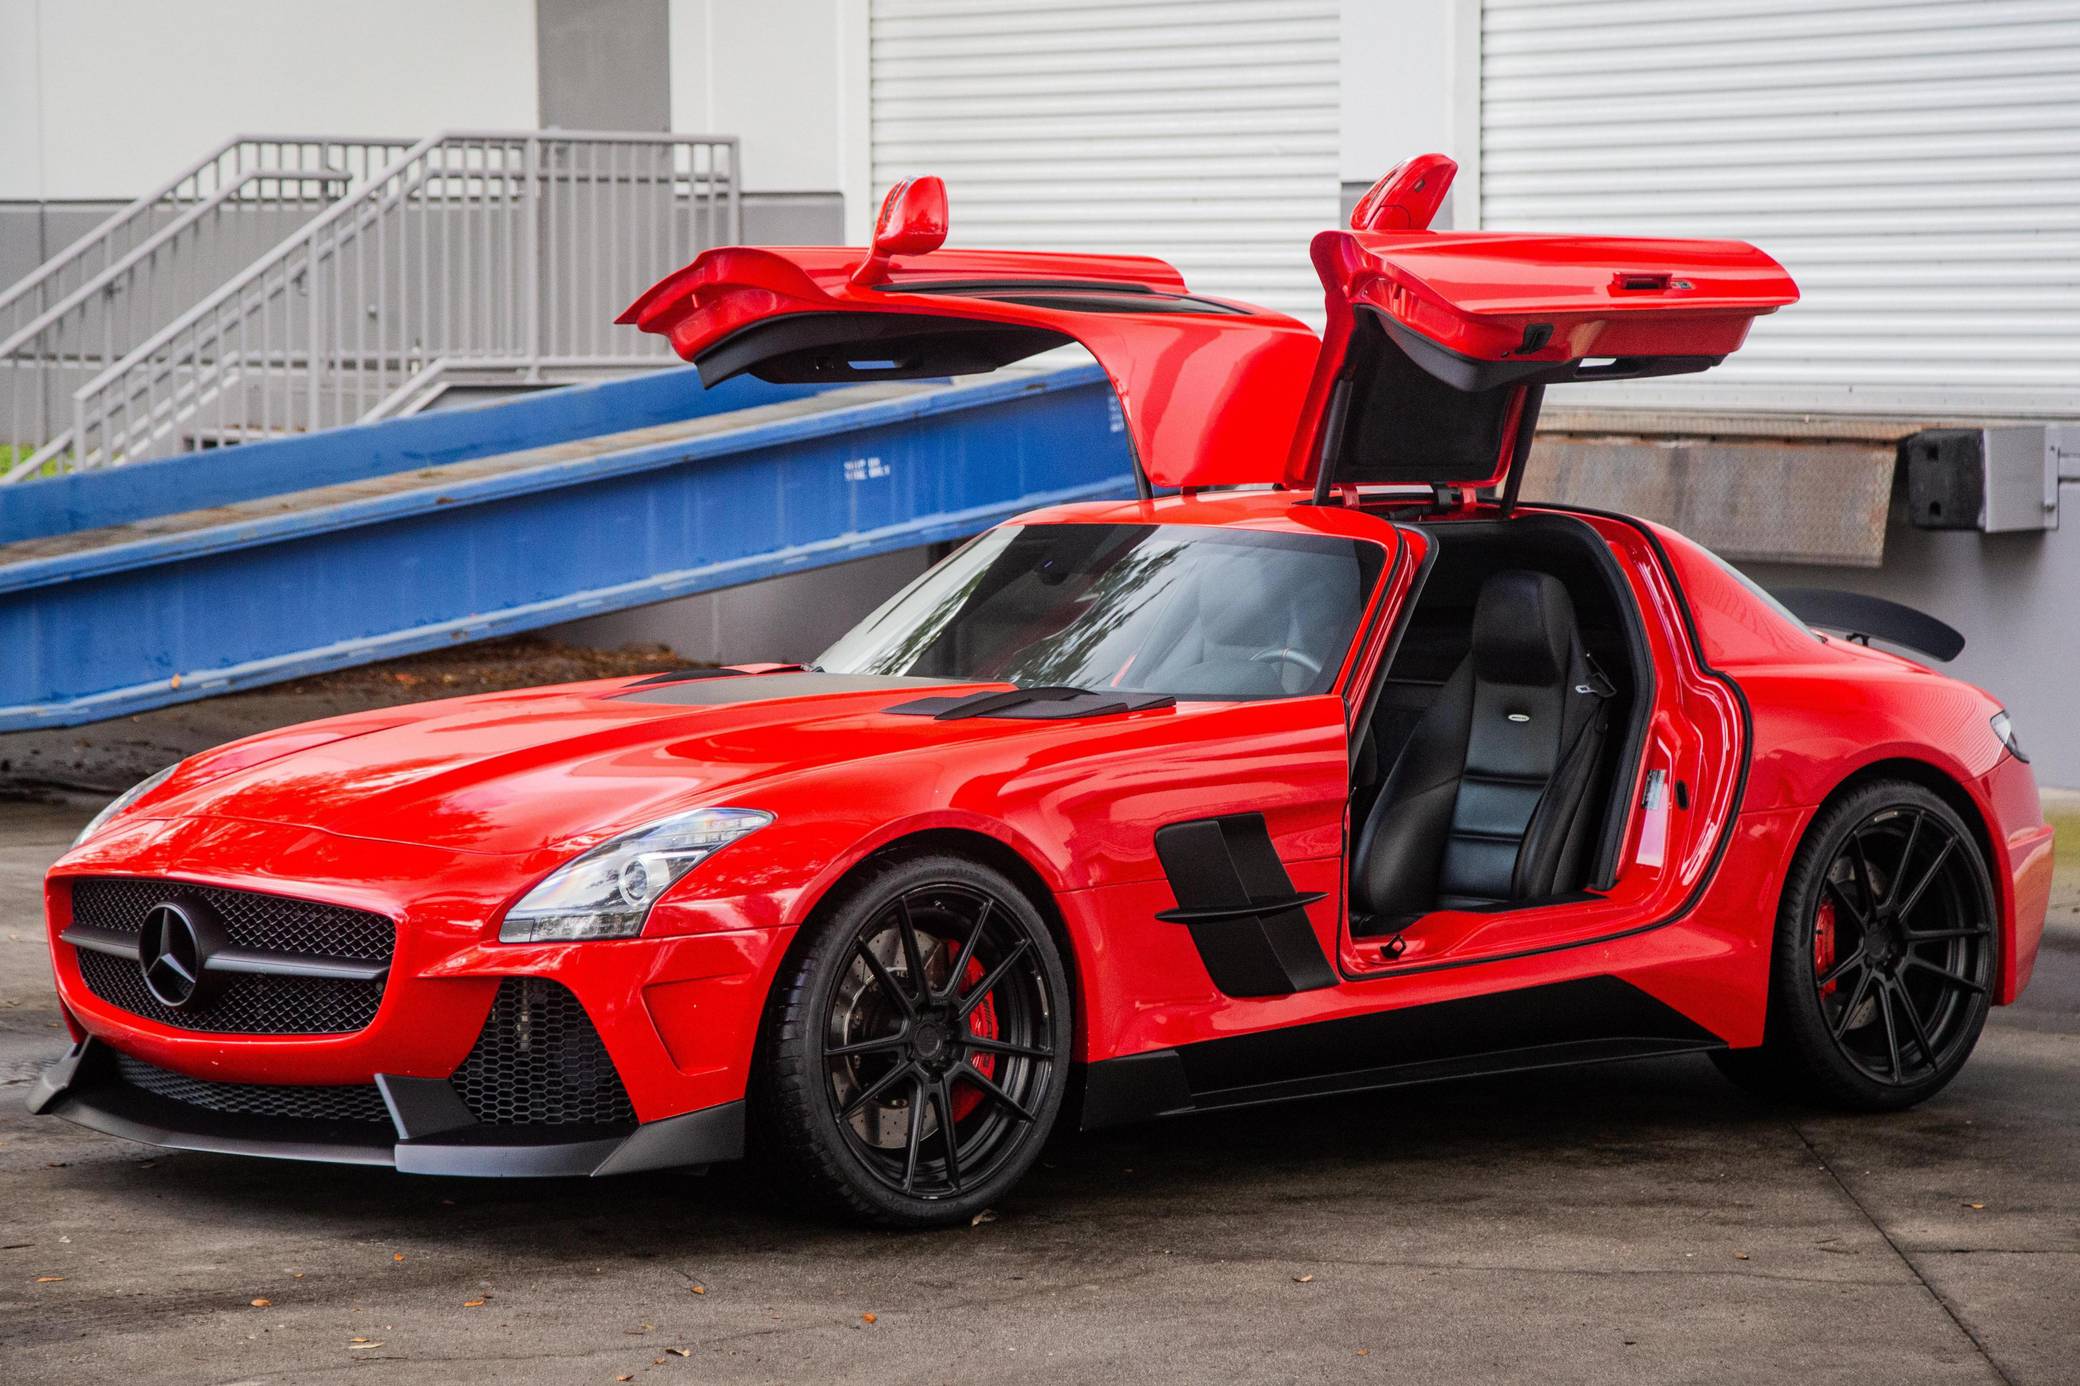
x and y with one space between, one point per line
981 1021
1823 944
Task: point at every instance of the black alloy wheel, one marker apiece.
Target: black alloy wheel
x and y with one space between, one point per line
1886 955
918 1048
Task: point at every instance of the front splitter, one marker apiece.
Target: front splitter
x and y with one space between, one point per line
82 1087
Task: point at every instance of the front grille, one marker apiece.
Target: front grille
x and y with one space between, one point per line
357 1102
539 1062
270 923
248 1003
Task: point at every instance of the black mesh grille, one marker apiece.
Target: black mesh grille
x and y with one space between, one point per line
359 1102
270 923
247 1004
540 1062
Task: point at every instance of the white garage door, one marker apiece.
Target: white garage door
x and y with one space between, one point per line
1203 131
1914 163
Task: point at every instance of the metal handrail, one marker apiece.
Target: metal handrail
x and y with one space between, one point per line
116 233
87 306
512 247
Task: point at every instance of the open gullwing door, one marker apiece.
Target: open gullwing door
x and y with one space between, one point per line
1439 343
1210 389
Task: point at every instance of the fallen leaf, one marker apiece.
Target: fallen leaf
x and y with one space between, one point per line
867 1318
473 1304
986 1215
698 1288
1363 1352
397 1255
1303 1279
1975 1206
626 1376
679 1352
262 1303
657 1361
1740 1255
297 1276
48 1279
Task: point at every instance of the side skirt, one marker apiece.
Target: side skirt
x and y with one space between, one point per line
1591 1020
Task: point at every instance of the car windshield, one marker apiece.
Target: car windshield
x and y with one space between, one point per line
1187 610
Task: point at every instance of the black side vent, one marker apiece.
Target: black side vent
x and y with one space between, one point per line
539 1062
1233 895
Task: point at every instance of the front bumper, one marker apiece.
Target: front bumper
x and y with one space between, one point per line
677 1009
428 1131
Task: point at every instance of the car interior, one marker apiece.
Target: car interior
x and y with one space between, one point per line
1489 774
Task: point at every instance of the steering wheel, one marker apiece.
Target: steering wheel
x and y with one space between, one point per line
1286 654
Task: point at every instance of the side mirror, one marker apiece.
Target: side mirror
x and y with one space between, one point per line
1406 199
913 221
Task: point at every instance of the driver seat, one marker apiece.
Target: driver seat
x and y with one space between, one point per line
1489 801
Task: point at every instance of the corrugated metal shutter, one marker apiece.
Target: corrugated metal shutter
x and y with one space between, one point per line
1916 166
1203 131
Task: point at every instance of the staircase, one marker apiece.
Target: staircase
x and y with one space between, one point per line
287 284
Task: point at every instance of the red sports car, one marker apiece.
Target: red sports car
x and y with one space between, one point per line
1332 767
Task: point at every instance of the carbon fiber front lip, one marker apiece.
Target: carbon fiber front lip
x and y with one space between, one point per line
81 1088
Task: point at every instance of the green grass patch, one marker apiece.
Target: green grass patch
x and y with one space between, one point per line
2064 815
2067 821
12 453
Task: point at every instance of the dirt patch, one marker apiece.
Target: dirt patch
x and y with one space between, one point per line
108 757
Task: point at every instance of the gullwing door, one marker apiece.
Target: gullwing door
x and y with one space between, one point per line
1439 342
1210 389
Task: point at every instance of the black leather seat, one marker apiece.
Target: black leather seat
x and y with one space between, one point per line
1490 801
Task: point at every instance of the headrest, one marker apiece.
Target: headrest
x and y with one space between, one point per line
1523 629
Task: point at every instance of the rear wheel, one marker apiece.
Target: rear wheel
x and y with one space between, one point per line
917 1049
1885 957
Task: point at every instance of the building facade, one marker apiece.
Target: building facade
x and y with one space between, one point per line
1916 166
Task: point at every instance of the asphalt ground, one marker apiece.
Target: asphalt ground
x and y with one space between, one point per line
1641 1222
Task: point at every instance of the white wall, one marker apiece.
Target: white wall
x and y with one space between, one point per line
1398 83
768 72
105 98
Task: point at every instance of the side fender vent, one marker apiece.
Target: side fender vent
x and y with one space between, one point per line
1248 923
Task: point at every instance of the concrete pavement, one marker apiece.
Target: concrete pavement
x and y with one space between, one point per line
1641 1222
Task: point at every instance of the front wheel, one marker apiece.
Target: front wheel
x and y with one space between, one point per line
1885 960
916 1050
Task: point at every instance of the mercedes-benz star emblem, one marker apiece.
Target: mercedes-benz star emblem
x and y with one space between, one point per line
171 954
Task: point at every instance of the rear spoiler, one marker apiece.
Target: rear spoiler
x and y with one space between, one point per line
1864 618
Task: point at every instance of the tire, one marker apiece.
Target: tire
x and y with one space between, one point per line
1886 952
861 1071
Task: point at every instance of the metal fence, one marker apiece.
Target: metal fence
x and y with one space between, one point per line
500 252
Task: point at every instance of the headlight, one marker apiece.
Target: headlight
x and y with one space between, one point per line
608 892
124 800
2005 730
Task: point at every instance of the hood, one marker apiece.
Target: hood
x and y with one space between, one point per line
562 766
